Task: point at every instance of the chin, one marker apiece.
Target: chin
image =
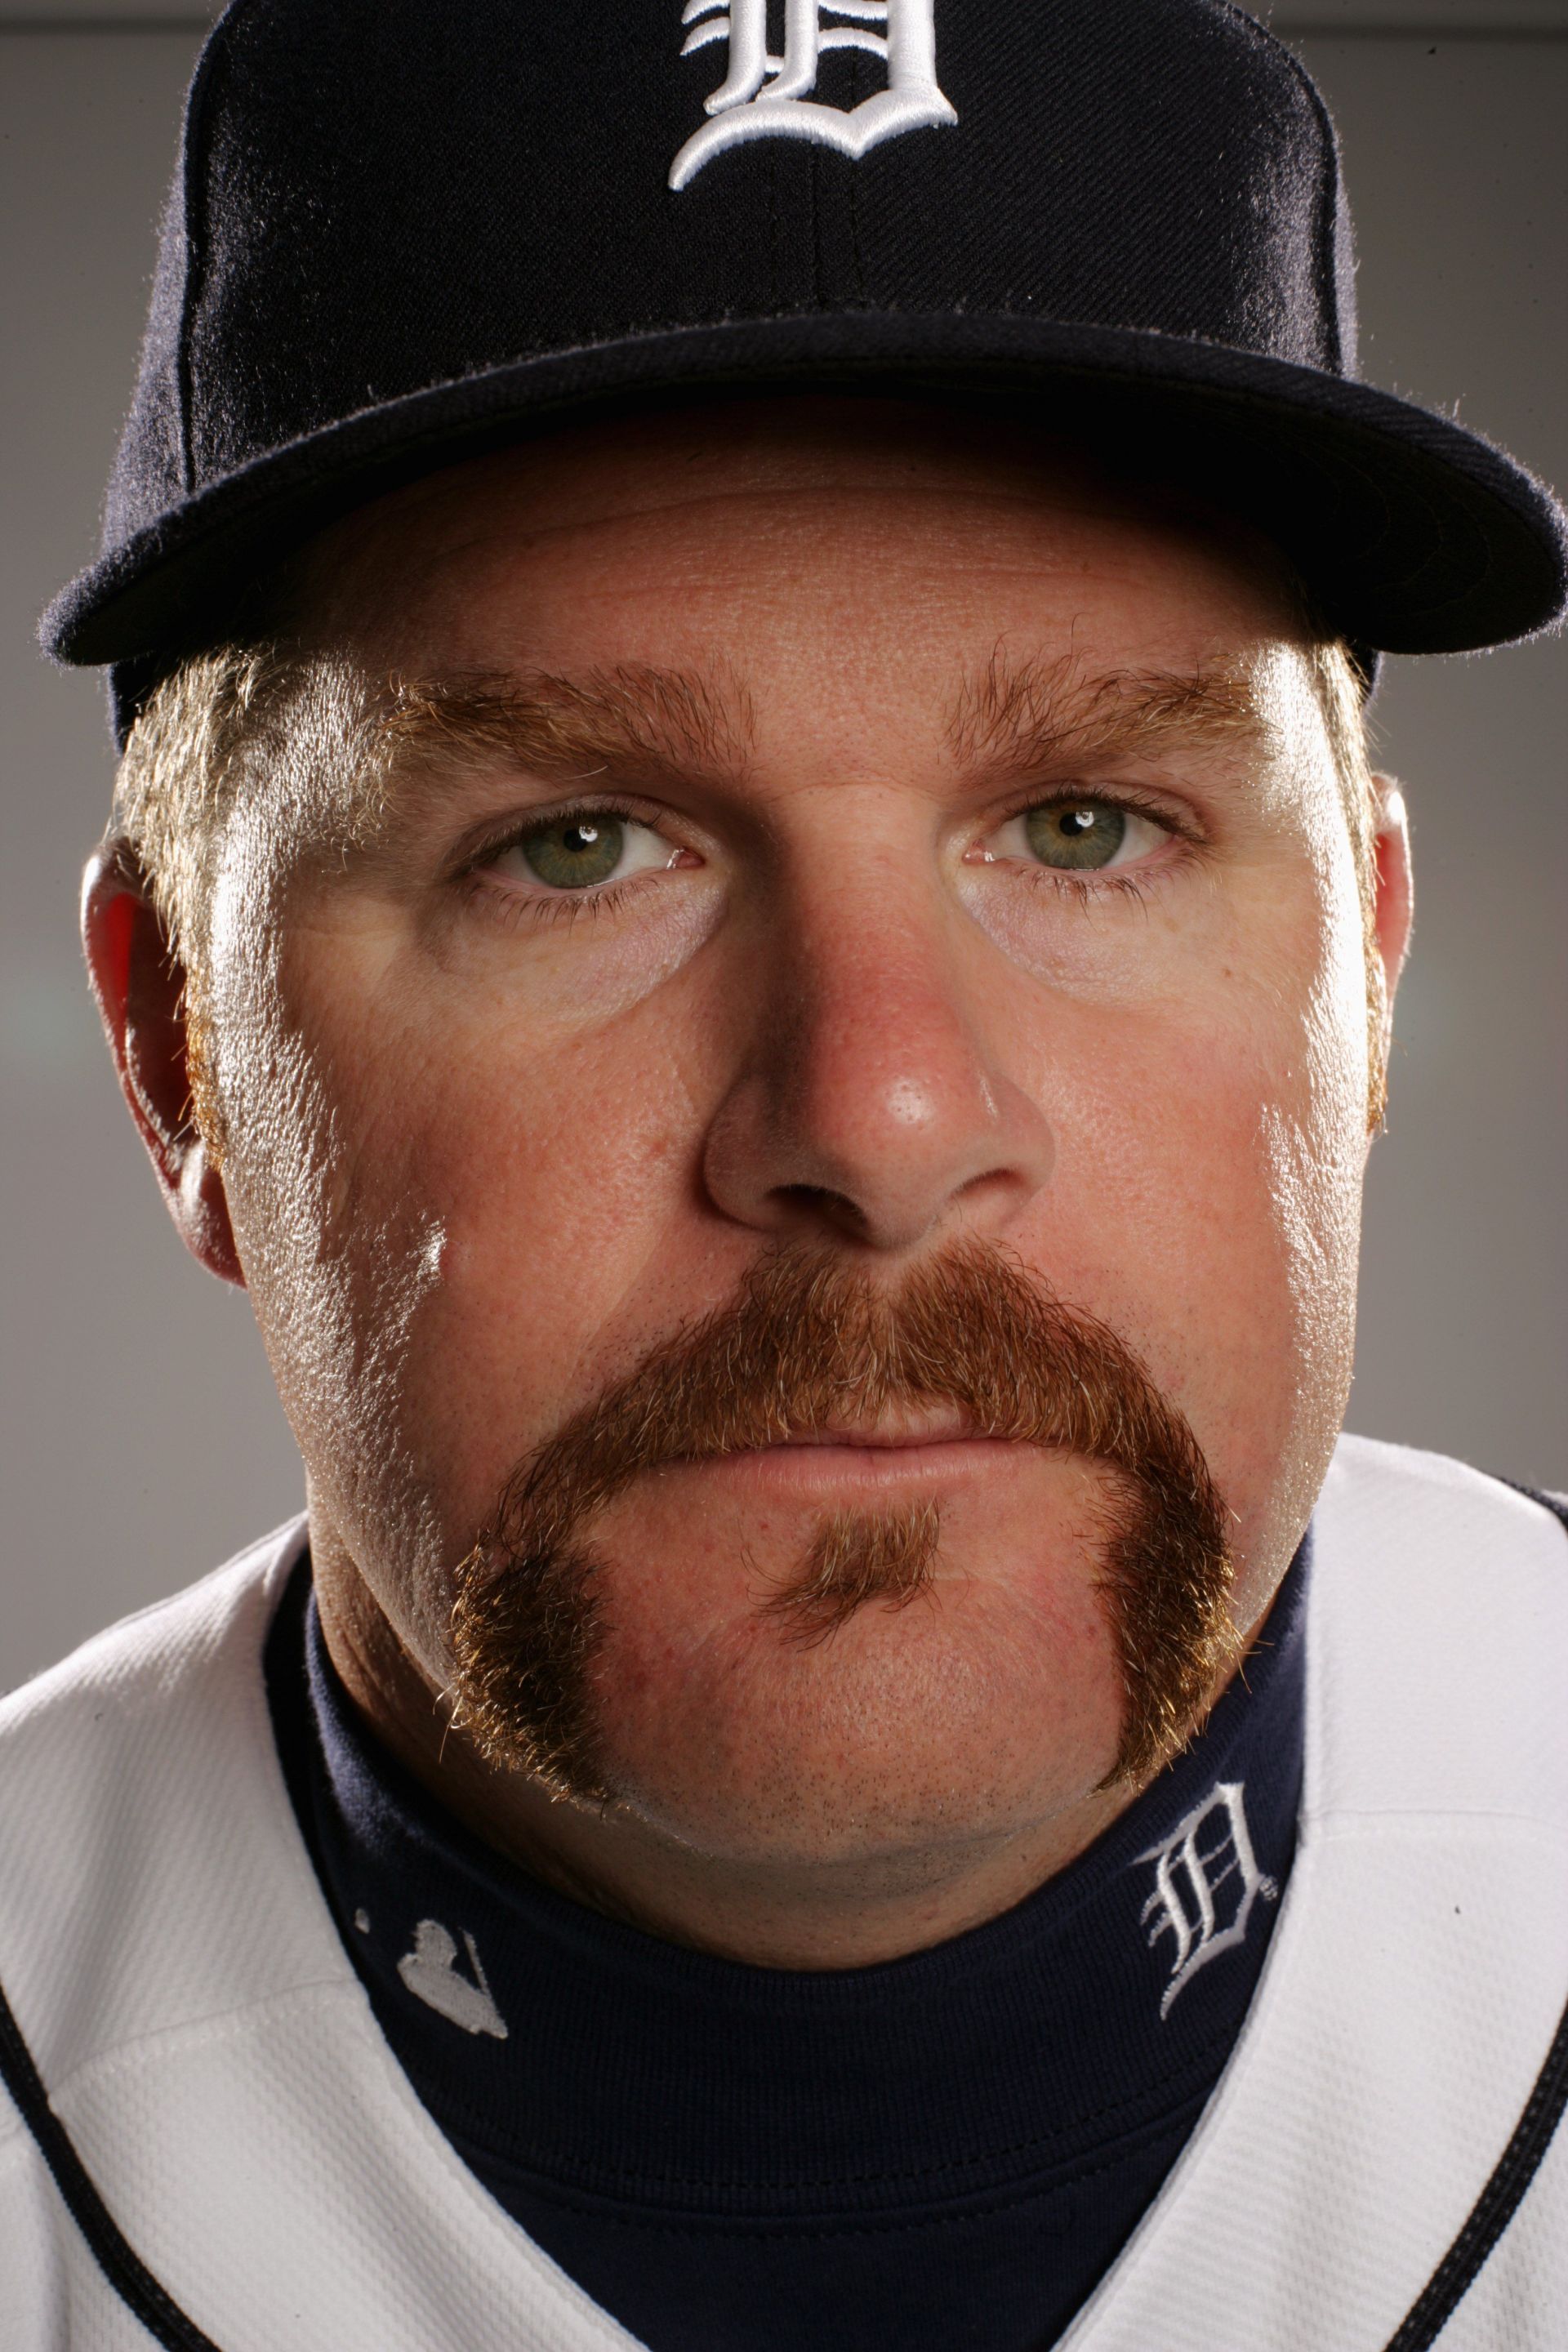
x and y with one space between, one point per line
969 1714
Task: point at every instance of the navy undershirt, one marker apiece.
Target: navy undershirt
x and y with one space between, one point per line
946 2151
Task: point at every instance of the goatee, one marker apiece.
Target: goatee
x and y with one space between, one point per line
812 1345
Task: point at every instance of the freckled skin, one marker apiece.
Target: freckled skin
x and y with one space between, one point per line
477 1165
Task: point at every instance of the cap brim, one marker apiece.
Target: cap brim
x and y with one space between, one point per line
1414 535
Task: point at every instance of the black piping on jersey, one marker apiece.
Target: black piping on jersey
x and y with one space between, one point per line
121 2265
137 2288
1521 2160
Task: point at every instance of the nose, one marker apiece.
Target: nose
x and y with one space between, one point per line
869 1106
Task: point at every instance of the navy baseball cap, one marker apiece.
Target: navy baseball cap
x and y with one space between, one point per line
403 232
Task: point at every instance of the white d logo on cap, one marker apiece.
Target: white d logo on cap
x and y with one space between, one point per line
764 97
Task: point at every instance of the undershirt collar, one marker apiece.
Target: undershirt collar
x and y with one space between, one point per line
601 2081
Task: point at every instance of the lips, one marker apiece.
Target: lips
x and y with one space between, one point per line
888 1455
890 1431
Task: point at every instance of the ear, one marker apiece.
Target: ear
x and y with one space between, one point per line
1395 909
1391 913
141 992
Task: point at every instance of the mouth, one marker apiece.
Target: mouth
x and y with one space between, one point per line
895 1452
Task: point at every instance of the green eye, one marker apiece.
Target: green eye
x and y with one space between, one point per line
1076 834
575 852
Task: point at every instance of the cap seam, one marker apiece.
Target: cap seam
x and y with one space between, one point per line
193 225
1331 194
194 146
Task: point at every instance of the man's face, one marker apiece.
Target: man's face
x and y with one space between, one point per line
818 830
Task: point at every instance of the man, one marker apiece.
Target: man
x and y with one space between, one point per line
746 894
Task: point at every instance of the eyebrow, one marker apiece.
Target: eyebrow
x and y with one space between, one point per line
634 716
1016 718
1037 713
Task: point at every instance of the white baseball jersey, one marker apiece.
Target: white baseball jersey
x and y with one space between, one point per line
206 2140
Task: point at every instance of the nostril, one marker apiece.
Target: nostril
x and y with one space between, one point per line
816 1204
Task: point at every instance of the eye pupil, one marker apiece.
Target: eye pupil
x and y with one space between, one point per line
1078 837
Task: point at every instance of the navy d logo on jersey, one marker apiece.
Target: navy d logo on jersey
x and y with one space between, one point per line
763 96
1203 1892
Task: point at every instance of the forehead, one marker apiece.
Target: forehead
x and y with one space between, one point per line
711 530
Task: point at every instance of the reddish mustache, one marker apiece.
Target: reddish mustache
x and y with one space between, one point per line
812 1345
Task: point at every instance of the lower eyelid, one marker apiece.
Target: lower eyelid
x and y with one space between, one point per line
531 900
510 908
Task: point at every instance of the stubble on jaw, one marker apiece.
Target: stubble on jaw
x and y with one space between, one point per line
812 1345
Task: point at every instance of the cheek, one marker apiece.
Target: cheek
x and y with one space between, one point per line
1205 1202
494 1203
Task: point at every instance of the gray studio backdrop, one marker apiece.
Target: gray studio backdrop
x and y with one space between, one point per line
142 1439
